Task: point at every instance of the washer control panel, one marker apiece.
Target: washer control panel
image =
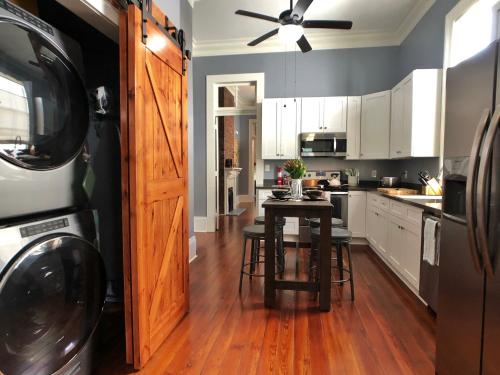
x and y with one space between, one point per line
47 226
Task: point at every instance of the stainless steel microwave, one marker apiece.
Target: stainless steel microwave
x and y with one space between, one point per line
323 144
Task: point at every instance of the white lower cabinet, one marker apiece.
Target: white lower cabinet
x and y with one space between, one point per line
393 230
356 213
292 223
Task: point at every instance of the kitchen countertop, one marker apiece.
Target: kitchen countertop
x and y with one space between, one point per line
371 186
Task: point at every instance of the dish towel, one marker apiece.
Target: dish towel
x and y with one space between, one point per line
431 242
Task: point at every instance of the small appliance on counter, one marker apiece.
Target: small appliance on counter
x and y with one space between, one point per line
389 182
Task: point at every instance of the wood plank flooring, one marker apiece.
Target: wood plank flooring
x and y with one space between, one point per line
384 331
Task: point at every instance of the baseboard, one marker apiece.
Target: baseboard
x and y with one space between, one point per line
246 198
192 248
359 241
200 223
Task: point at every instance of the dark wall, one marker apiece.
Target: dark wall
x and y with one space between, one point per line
100 56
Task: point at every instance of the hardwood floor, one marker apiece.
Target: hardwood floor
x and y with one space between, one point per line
384 331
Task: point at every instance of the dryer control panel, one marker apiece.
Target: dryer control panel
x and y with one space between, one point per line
46 226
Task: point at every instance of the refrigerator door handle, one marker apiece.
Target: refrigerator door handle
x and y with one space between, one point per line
482 190
470 189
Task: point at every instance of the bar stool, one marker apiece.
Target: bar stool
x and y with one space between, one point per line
336 222
255 233
340 238
280 248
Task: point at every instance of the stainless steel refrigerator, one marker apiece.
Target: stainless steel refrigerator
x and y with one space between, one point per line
468 322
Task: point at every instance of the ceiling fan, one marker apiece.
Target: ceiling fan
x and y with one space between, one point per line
292 24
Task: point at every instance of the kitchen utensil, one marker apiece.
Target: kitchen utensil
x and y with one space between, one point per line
389 181
310 182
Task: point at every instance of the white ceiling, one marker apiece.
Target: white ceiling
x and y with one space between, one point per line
218 31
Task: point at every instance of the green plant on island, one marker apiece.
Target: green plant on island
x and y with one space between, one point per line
295 168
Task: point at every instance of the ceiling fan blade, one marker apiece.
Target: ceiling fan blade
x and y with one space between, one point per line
304 44
345 25
301 7
256 15
263 37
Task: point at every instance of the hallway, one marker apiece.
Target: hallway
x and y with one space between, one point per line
385 331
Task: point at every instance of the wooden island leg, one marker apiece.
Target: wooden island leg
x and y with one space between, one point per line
325 260
270 258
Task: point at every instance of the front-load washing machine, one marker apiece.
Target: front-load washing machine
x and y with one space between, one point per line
44 117
52 291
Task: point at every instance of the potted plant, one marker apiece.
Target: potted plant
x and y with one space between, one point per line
296 169
352 176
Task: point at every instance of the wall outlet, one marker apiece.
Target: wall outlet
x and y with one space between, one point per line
267 167
374 173
404 174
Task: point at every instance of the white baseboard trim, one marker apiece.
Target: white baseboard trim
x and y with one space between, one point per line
245 198
200 223
359 241
192 249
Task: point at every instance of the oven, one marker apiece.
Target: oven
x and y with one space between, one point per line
323 144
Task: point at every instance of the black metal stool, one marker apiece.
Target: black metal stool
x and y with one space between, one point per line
255 233
340 238
336 222
280 223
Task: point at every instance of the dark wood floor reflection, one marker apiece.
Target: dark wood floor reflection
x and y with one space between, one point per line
384 331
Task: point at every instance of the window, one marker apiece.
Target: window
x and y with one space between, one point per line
472 31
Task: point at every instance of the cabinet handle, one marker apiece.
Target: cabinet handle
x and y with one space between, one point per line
398 152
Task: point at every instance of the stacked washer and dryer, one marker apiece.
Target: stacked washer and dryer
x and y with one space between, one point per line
52 278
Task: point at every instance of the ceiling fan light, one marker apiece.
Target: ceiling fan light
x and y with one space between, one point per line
290 33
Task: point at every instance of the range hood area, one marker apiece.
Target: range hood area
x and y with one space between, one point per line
323 145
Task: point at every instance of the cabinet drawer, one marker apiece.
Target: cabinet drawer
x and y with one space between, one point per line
408 213
384 203
291 226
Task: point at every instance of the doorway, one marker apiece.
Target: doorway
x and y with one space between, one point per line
233 155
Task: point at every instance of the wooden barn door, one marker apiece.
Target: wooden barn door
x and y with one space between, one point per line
155 195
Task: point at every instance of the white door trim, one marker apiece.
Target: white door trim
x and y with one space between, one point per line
252 129
213 81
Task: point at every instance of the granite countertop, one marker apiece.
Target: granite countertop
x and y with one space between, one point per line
430 206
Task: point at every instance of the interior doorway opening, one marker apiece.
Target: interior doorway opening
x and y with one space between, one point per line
234 165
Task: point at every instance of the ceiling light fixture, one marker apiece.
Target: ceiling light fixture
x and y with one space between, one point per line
290 33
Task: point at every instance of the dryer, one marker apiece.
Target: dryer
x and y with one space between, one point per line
52 291
44 117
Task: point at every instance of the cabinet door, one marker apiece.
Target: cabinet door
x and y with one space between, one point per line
271 117
353 126
335 114
311 115
356 218
405 146
396 242
375 125
287 144
382 232
410 257
397 118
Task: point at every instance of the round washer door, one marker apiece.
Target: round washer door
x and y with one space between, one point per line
51 299
44 115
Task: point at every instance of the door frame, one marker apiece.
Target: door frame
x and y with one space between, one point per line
252 146
213 82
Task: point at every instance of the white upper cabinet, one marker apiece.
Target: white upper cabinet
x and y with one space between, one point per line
335 114
353 127
279 128
375 125
311 119
328 115
288 132
416 115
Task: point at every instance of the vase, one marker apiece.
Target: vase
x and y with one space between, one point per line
296 189
352 180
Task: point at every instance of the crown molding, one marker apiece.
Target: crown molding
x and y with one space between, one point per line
412 19
320 40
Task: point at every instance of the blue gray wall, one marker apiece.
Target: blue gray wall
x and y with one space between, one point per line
326 73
